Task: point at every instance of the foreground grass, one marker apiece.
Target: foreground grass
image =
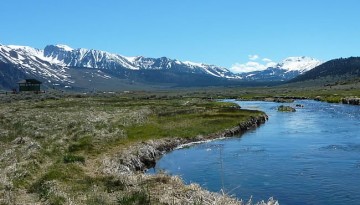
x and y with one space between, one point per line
51 147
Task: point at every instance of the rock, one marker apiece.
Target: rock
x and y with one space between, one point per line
283 108
351 101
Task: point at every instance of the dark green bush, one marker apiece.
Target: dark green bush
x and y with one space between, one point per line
73 158
112 184
84 143
136 198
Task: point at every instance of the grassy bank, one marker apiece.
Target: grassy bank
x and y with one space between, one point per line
52 146
326 92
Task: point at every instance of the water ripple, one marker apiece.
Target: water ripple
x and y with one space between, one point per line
347 148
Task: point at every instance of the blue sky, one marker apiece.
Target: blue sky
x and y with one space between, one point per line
225 33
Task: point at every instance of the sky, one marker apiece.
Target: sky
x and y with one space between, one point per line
237 34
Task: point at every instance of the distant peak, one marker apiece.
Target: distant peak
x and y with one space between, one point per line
300 63
20 47
132 58
193 63
64 47
297 58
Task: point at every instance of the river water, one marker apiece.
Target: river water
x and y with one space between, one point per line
311 156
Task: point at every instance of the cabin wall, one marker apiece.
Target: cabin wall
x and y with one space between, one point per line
27 87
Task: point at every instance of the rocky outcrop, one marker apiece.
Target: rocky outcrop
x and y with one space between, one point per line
142 156
351 101
283 108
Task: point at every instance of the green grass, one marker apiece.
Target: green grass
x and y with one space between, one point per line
194 121
83 144
55 136
57 172
49 140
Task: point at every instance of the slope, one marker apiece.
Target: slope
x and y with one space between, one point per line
342 69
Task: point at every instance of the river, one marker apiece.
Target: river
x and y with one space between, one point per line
311 156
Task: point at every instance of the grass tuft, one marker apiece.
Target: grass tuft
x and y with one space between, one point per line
73 158
136 198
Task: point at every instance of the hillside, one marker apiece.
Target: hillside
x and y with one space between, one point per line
342 69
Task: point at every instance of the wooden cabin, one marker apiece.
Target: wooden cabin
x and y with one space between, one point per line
29 85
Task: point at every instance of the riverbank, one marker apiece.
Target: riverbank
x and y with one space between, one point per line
80 149
308 148
142 156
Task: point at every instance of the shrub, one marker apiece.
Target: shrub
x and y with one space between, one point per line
84 143
112 184
136 198
283 108
73 158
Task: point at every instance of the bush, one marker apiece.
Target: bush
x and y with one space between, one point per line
136 198
283 108
112 184
84 143
73 158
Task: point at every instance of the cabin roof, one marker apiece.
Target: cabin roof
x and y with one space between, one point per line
29 81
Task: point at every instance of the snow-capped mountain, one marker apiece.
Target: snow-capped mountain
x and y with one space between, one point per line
22 61
89 58
61 64
285 70
301 64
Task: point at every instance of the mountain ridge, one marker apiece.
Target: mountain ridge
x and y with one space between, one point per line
336 69
53 64
301 64
64 67
285 70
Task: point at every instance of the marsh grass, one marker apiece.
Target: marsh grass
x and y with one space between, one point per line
45 140
51 147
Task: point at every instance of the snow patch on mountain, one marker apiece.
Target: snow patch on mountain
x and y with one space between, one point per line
32 61
65 47
192 64
301 64
285 70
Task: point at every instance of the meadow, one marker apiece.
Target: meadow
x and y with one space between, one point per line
53 145
57 147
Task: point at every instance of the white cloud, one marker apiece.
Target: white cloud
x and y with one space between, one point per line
251 66
270 64
266 60
253 57
247 67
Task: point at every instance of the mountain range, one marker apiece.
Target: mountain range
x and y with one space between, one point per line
60 66
285 70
